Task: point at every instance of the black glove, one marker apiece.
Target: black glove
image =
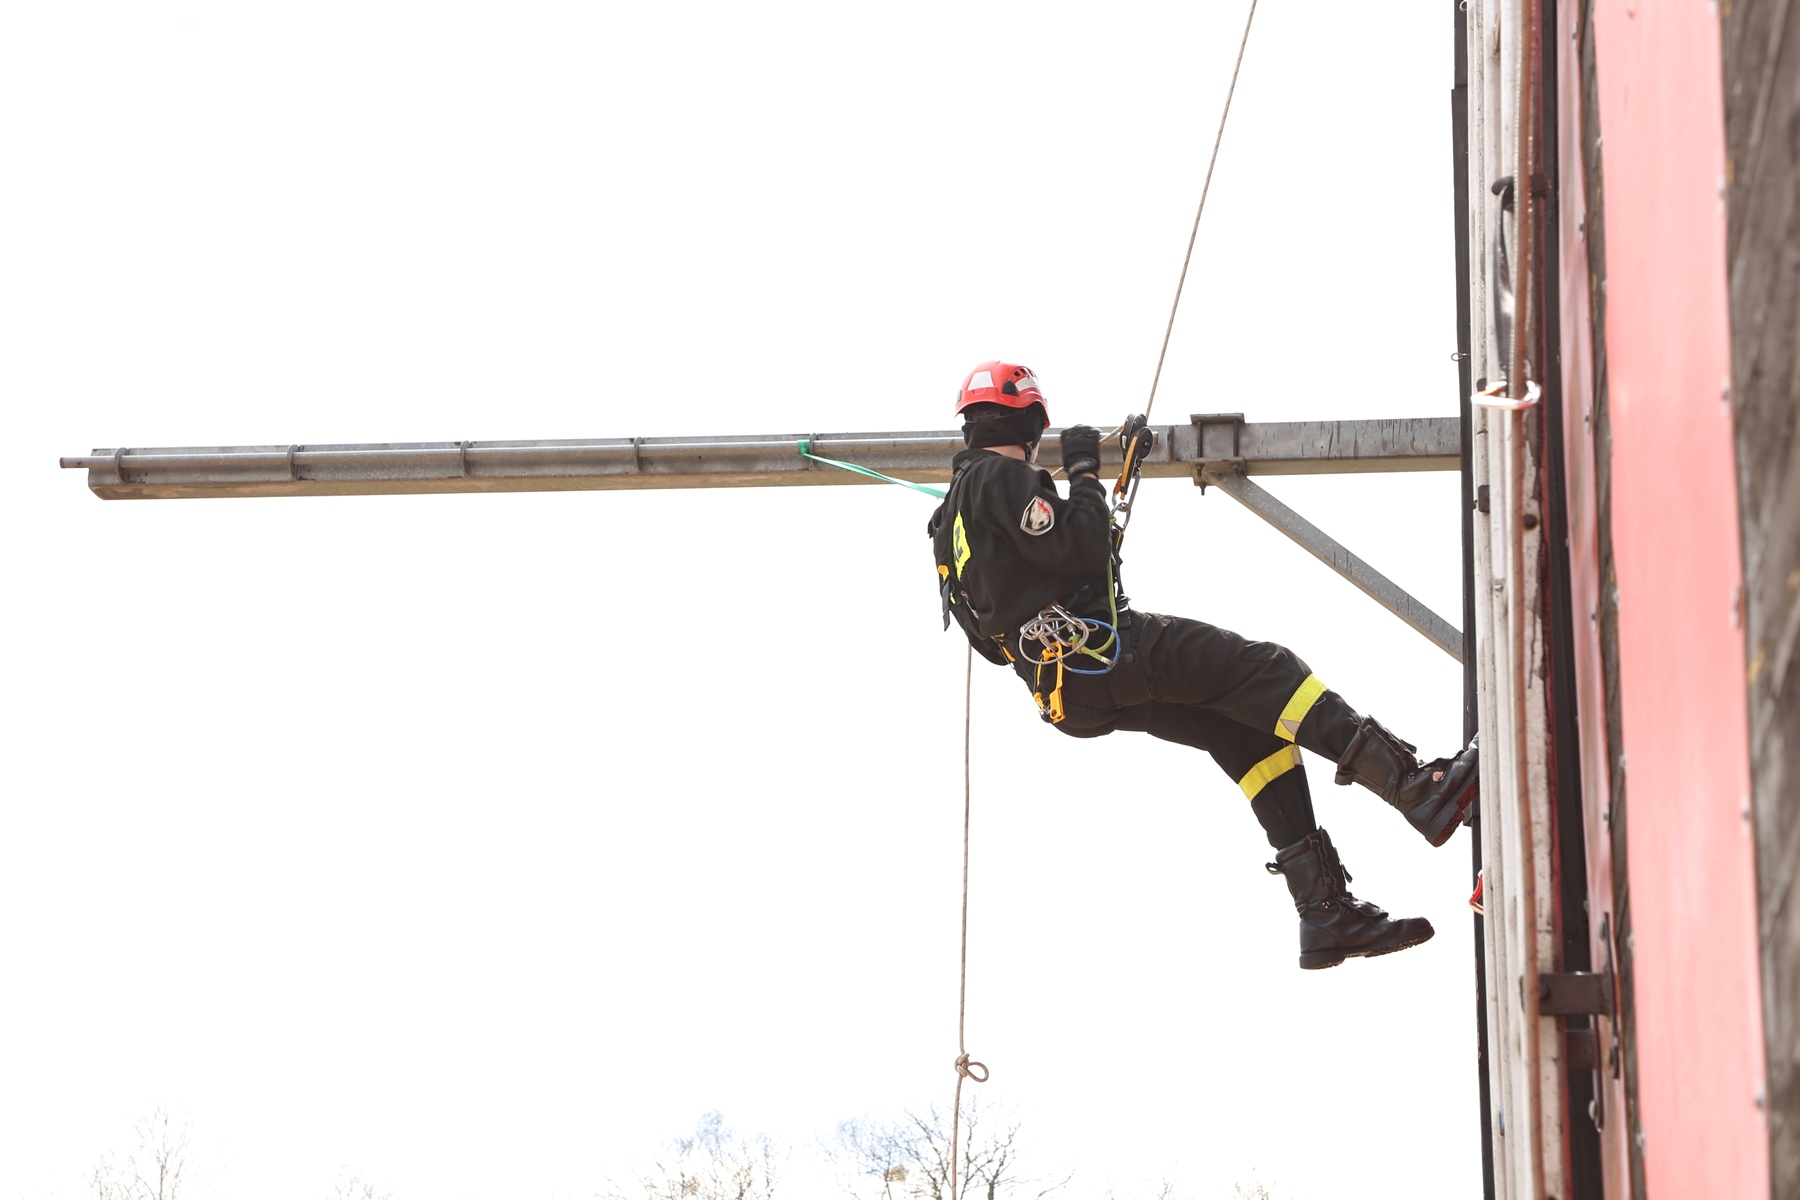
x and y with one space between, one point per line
1081 450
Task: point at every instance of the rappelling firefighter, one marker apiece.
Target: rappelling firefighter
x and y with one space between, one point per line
1031 577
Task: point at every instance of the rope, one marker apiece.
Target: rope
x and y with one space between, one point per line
1204 189
965 1069
806 452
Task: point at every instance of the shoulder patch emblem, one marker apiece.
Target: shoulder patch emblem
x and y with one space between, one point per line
1038 518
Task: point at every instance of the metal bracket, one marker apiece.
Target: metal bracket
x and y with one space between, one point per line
1219 438
1583 994
1575 994
1229 478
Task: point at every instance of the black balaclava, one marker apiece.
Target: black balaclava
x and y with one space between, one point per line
989 425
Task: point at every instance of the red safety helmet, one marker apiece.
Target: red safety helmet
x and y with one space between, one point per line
1002 383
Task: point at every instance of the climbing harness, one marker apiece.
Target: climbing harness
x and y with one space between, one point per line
1059 634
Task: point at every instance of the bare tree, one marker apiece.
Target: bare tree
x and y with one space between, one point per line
909 1159
352 1186
1165 1190
1168 1189
154 1171
713 1164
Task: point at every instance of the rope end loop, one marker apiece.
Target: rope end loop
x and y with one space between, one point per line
968 1069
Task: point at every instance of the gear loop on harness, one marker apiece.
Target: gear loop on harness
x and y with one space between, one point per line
1062 633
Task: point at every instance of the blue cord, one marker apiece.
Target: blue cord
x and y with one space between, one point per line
1077 670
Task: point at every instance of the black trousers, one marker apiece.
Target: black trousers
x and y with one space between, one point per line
1248 704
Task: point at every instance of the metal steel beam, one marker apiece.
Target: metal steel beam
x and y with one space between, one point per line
1220 449
1182 451
1327 550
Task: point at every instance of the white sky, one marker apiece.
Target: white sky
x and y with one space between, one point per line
480 844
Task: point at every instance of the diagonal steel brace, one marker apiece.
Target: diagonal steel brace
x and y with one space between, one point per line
1229 478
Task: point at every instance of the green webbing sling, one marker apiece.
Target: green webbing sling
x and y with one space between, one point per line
806 452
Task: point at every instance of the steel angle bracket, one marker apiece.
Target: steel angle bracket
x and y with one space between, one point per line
1219 445
1226 473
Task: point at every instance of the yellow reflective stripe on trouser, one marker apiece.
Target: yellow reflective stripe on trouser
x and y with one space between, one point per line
1298 705
1268 770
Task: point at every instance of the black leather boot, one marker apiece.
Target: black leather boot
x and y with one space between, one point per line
1334 925
1434 797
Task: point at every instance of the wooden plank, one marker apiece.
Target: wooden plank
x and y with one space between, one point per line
1761 55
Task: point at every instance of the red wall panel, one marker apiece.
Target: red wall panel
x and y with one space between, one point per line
1681 646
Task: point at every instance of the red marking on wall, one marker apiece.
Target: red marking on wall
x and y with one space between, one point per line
1681 645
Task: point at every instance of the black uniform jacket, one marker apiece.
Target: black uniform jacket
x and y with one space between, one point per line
1007 546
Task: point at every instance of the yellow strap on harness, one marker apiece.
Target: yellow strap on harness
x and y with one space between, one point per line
1269 770
1054 708
1298 705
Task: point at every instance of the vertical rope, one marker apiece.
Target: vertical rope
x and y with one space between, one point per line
1204 189
964 1068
